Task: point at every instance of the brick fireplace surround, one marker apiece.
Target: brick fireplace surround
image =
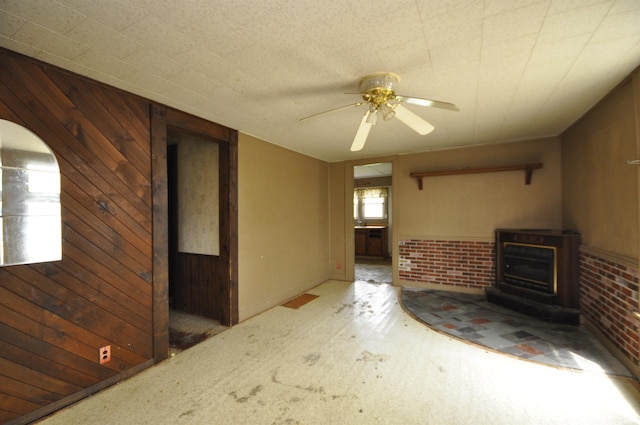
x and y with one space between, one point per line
608 289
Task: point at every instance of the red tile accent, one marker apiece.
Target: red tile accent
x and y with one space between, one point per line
528 349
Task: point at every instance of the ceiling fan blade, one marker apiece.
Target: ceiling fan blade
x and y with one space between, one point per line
416 123
427 102
339 108
362 133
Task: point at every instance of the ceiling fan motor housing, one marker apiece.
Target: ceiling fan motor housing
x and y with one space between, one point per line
379 88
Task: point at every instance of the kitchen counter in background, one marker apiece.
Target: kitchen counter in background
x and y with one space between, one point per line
371 241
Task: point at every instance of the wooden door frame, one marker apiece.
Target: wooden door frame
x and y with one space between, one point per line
163 119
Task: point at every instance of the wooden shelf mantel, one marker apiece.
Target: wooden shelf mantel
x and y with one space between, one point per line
528 172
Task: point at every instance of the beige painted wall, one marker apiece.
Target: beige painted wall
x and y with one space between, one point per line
338 219
462 207
472 206
600 188
283 224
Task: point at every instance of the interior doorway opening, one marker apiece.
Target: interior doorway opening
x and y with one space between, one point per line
373 222
165 124
196 287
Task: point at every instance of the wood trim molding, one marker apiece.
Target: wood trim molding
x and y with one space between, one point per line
160 233
610 256
453 238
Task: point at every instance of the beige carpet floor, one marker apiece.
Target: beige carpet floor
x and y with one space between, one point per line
353 356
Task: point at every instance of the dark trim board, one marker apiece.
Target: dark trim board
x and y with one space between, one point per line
160 233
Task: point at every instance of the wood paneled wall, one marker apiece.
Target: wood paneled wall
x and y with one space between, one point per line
54 317
110 288
204 294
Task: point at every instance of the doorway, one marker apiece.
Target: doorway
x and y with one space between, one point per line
195 285
211 273
373 222
194 242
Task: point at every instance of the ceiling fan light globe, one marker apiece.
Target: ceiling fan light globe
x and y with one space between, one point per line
372 118
387 112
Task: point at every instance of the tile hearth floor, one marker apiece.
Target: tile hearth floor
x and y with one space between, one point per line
471 318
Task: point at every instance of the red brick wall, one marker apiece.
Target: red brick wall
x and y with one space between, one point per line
609 293
468 264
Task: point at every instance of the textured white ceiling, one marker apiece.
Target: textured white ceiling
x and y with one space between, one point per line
378 169
517 69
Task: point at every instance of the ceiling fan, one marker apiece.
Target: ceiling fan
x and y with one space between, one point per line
378 93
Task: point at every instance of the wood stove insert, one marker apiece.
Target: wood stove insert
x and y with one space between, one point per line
537 273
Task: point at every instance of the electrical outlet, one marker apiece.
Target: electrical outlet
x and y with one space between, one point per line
105 354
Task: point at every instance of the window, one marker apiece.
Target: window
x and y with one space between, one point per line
370 203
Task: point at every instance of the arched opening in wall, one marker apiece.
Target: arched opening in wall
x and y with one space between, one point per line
30 213
373 221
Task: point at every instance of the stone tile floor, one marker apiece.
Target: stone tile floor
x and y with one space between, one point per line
471 318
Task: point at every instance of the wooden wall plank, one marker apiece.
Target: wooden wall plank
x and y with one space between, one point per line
75 310
82 123
37 379
80 165
203 295
137 260
29 351
102 293
118 130
54 316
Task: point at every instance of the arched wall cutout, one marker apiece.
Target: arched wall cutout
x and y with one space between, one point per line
30 211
